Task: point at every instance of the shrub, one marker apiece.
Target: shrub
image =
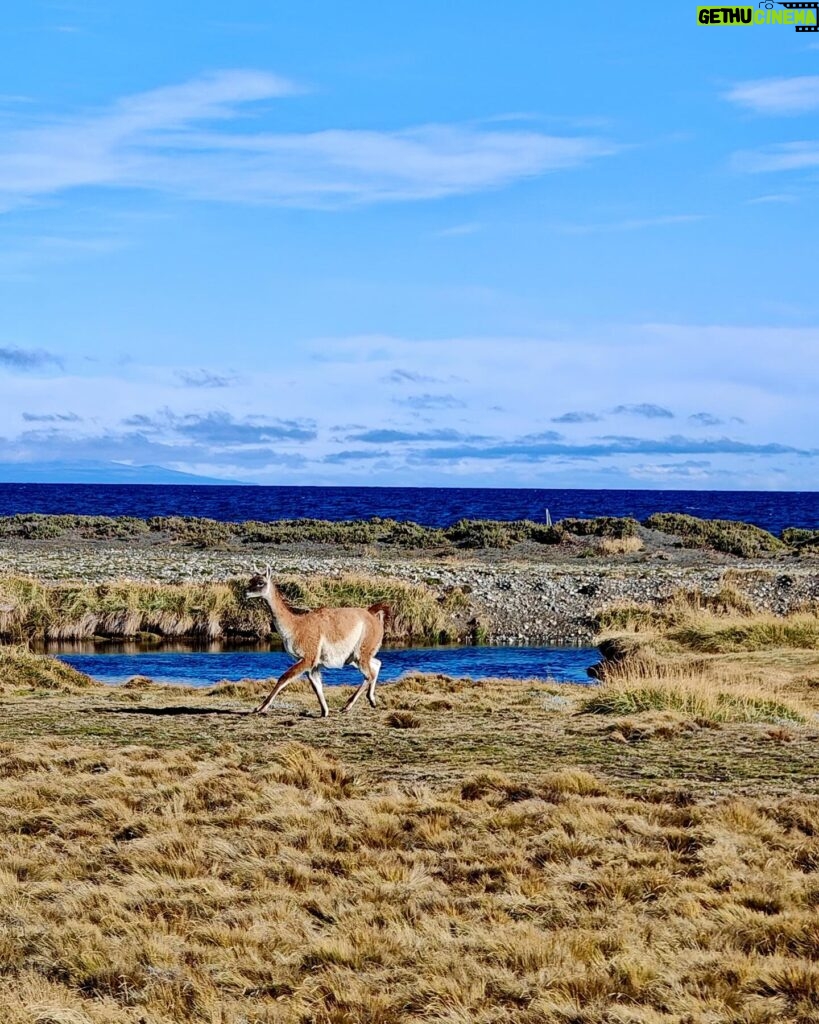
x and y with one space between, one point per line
547 534
727 535
33 526
803 540
619 546
403 720
412 535
212 533
614 527
499 533
200 533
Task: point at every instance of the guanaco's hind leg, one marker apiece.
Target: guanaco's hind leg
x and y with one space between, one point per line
369 668
375 666
292 673
314 675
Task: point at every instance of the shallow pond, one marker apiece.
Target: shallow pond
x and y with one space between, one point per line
114 664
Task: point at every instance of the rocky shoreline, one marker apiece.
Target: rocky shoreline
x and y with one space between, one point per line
515 600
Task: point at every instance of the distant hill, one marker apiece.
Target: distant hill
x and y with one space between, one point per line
90 472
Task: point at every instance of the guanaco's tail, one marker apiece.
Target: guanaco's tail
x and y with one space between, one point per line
381 609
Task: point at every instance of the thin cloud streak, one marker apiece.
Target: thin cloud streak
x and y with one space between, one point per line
609 446
795 95
155 141
786 156
206 379
632 224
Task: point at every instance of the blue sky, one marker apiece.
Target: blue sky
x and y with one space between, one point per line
563 245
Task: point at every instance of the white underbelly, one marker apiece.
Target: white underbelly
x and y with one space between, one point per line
340 653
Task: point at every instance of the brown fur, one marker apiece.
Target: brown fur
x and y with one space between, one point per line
323 637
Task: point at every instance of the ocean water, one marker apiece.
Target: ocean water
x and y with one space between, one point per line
203 668
431 506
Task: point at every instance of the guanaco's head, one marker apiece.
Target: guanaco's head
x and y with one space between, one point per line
259 583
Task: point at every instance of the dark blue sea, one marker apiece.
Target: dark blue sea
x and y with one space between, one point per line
431 506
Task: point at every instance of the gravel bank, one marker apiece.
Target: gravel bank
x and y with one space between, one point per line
516 602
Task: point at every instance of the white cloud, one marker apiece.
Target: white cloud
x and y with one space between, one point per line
796 95
787 156
735 373
165 140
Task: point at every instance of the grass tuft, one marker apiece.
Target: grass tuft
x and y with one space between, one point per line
20 669
403 720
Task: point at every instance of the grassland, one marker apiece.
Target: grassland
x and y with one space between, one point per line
643 852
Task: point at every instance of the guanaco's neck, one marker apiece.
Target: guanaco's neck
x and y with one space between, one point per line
282 616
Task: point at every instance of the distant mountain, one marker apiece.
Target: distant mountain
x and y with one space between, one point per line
90 472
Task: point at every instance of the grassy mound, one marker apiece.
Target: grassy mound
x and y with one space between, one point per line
676 657
720 623
710 635
636 679
22 670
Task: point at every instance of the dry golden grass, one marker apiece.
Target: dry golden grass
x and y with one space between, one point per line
468 852
619 546
163 886
700 689
715 624
709 657
30 609
21 670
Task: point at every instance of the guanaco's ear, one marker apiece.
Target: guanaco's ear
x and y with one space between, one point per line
268 573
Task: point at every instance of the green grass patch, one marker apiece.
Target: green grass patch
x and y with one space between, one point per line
761 633
696 702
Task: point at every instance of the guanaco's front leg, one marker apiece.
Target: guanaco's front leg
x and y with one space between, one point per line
292 673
